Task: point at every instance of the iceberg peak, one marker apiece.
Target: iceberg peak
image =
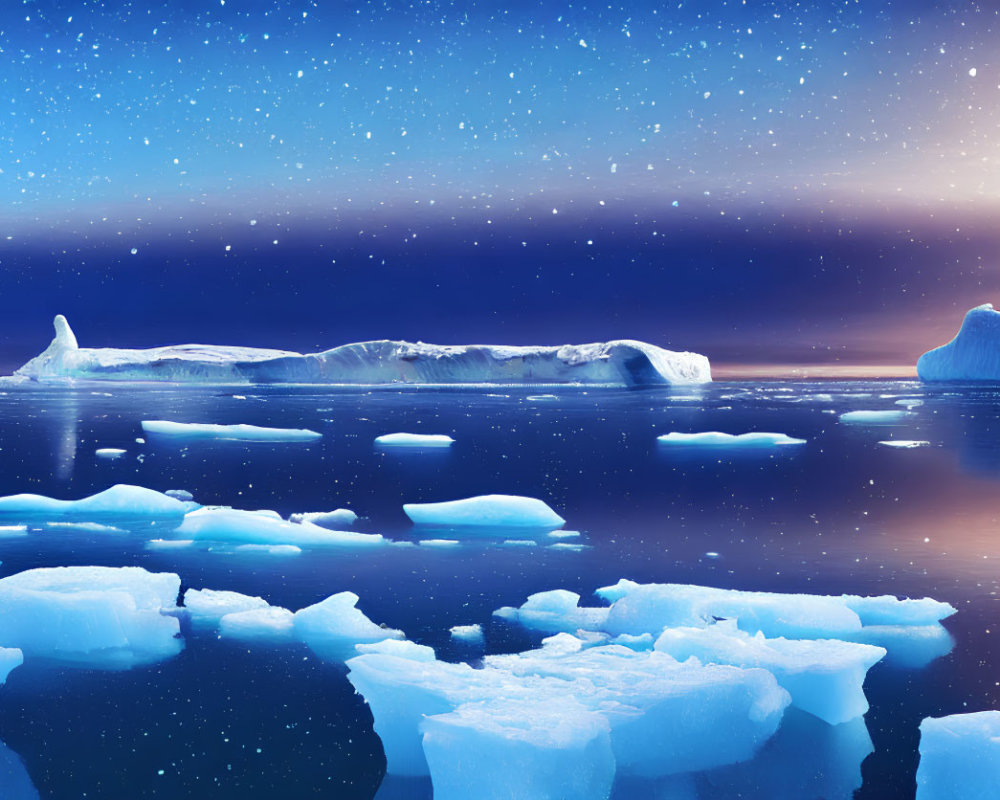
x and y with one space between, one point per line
974 353
65 338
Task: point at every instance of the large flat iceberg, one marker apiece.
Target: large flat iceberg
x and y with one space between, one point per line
492 510
121 501
974 353
243 433
262 527
620 363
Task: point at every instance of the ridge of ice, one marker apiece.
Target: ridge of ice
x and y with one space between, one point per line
120 500
622 362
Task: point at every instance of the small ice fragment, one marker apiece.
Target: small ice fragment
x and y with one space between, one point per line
564 534
414 440
490 510
520 542
208 606
109 452
905 443
717 439
180 494
571 546
244 433
270 549
168 544
471 634
332 520
439 543
873 417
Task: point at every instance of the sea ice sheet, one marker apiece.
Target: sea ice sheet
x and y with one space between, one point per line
243 433
414 440
494 510
120 501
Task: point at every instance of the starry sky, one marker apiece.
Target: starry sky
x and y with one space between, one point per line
764 182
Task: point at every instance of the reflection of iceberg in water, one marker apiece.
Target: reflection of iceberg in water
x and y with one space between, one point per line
15 784
64 414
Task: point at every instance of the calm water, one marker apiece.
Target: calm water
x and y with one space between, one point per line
230 720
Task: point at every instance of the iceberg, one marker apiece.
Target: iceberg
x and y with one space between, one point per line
119 502
974 353
243 433
663 716
906 444
959 757
493 510
267 528
470 634
334 626
823 676
717 439
332 520
109 617
209 606
501 749
109 452
620 363
874 417
414 440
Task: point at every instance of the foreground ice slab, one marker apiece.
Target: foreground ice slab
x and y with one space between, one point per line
261 527
97 616
664 716
243 433
497 750
959 757
823 676
334 626
717 439
493 510
414 440
120 501
621 363
974 353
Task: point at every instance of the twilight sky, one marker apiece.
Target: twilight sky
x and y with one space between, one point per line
764 182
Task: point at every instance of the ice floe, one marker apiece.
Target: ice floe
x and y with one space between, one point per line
243 433
267 528
883 417
332 520
494 510
414 440
120 501
717 439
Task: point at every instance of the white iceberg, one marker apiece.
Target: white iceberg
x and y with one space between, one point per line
959 757
620 363
258 527
414 440
109 452
905 444
243 433
823 676
270 549
502 749
717 439
864 417
469 634
332 520
120 501
494 510
974 353
113 617
333 627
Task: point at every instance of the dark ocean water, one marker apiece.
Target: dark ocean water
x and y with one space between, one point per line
230 720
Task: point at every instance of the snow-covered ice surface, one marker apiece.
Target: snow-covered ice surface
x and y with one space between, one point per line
120 501
333 520
617 363
974 353
243 433
877 417
959 757
717 439
261 527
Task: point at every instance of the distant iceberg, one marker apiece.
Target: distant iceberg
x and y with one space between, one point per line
974 353
620 363
717 439
245 433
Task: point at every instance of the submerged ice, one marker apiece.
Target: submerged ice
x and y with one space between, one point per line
621 362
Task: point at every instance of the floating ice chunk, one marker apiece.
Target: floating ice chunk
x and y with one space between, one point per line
524 749
97 616
717 439
10 659
401 648
120 501
109 452
909 646
911 402
564 534
621 363
470 634
89 527
539 397
256 527
272 623
270 549
494 510
442 543
905 443
959 757
891 610
334 626
972 355
873 417
520 543
244 433
169 544
208 606
823 676
180 494
570 546
555 611
333 520
414 440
